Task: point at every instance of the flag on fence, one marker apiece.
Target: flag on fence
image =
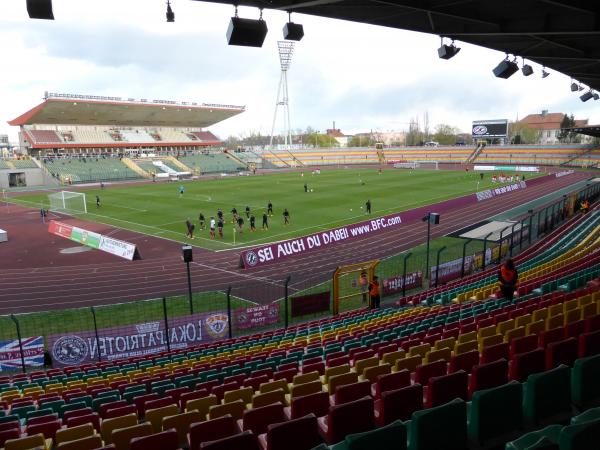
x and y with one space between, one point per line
33 352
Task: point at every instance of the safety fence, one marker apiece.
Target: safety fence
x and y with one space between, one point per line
111 332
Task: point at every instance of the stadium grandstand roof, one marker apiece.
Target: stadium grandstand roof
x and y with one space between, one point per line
68 109
588 130
560 34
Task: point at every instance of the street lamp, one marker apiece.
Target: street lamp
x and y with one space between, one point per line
435 219
188 258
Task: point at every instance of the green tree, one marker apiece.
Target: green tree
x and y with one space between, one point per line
445 134
321 140
521 133
361 140
565 135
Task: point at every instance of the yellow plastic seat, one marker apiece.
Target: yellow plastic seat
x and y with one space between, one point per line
86 443
464 347
535 327
121 437
445 343
409 363
420 350
361 365
435 355
298 390
236 409
540 314
523 320
107 426
505 325
181 423
588 310
514 333
273 386
156 415
488 341
304 378
331 371
202 405
35 441
572 315
391 357
570 305
371 373
584 300
244 394
555 310
555 321
74 433
268 398
340 380
468 337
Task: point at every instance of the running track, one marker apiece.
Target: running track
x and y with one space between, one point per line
92 278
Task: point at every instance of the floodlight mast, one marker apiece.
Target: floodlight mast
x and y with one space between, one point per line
286 50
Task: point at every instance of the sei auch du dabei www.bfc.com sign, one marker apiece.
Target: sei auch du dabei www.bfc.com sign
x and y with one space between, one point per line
272 253
95 240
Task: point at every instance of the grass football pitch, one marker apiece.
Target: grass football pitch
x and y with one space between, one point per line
335 198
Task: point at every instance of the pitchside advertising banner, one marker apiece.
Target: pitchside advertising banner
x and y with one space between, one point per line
394 285
271 253
94 240
256 316
136 340
10 353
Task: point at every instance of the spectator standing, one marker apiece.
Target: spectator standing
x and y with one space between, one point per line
374 293
508 277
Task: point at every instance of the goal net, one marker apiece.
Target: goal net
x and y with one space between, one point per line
417 165
68 202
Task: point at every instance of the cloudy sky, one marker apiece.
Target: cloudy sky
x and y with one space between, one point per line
360 76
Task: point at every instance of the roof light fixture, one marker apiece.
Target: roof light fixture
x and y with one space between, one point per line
170 14
447 51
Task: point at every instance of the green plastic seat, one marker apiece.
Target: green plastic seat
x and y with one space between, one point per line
9 418
389 437
546 439
40 413
54 405
590 414
580 436
495 414
95 405
547 397
21 411
71 407
449 422
87 399
585 388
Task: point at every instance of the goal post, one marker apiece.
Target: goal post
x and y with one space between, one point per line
68 202
428 164
347 289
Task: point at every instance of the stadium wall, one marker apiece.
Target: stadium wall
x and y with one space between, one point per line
33 177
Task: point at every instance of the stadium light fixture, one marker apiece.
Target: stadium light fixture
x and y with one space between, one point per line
447 51
596 96
588 95
526 69
506 68
40 9
574 86
170 14
292 31
544 72
246 32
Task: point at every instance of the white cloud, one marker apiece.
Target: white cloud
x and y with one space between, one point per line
363 77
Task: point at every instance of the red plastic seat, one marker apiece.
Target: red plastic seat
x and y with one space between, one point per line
15 424
158 403
317 404
258 419
166 440
287 375
243 441
176 393
463 361
495 352
77 412
211 430
398 404
525 364
48 429
426 371
255 382
561 352
92 418
111 405
574 329
297 434
350 392
589 344
118 412
390 382
141 399
446 388
523 344
352 417
220 390
485 376
339 361
186 397
592 323
553 335
43 419
318 367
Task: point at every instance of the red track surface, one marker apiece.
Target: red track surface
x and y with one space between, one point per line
35 276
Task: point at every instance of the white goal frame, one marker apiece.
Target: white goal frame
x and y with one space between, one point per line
417 165
60 201
425 164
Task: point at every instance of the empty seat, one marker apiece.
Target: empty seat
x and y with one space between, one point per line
92 418
243 441
582 435
496 414
398 404
561 352
485 376
202 405
589 344
426 371
86 443
495 352
584 382
35 441
350 392
121 437
444 388
236 409
442 427
525 364
547 396
258 419
181 423
48 429
155 416
296 434
523 344
211 430
464 361
166 440
348 418
73 433
109 425
317 404
390 382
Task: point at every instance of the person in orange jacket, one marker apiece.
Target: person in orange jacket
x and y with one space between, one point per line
374 293
508 277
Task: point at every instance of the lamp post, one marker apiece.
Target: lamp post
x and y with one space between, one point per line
187 258
429 218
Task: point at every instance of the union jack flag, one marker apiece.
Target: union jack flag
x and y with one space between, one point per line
33 352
